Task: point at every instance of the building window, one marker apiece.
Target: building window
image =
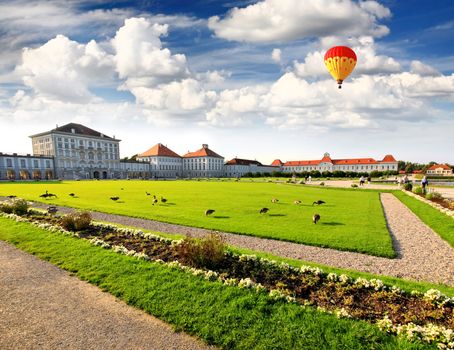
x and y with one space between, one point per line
48 164
22 163
35 163
9 162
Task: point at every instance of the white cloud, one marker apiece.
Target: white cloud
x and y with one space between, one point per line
186 95
420 68
139 52
63 69
283 20
276 55
237 106
59 76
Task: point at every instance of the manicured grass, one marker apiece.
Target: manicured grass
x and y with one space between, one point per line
229 317
350 219
437 221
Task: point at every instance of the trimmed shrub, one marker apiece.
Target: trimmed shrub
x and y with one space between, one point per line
418 190
322 184
408 186
6 208
17 206
434 196
207 252
354 185
20 206
76 221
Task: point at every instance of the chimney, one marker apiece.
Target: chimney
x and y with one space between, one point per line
56 125
102 135
205 146
73 131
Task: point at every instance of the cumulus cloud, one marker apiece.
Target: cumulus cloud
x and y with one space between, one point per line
284 20
157 78
237 106
139 54
186 95
276 55
61 74
63 69
420 68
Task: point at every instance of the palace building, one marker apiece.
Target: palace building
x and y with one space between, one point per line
358 165
74 151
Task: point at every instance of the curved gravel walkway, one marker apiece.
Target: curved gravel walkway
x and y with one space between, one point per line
422 254
42 307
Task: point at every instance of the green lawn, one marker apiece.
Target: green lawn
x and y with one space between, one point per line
228 317
437 221
350 219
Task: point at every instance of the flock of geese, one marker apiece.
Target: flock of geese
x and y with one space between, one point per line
208 212
315 217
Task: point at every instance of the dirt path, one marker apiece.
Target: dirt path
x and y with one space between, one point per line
42 307
422 254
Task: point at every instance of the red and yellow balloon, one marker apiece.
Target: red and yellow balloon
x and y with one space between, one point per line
340 62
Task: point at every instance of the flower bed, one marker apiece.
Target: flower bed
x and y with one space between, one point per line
425 317
439 204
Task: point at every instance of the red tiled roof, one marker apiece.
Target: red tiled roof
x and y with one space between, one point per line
203 152
326 159
301 162
436 166
417 171
355 161
388 158
277 162
159 150
402 172
237 161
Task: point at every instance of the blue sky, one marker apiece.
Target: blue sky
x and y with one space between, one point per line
246 77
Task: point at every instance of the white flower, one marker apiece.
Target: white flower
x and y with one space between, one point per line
342 313
246 283
333 277
230 281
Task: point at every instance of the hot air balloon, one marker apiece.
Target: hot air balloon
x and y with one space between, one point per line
340 62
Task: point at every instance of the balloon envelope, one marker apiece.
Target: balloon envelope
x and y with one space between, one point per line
340 62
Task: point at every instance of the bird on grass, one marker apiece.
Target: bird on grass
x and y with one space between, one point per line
154 201
52 210
315 218
318 202
48 195
274 200
163 200
11 196
264 210
148 193
115 198
72 195
209 212
297 202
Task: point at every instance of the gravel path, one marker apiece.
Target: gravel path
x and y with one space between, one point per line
42 307
422 254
